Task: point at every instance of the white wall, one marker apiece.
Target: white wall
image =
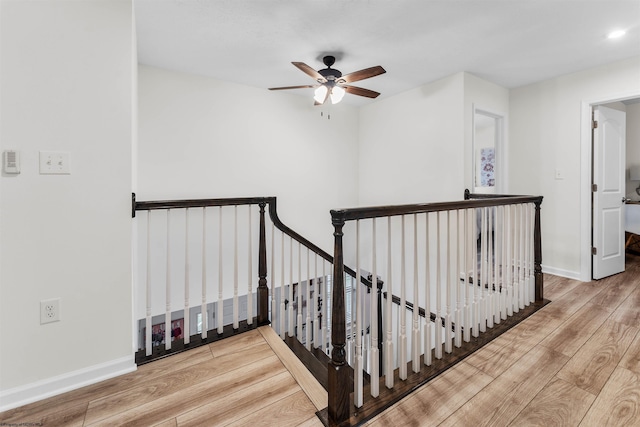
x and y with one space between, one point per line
416 147
204 138
545 135
412 145
66 82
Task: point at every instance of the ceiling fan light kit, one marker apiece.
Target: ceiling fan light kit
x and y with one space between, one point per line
332 84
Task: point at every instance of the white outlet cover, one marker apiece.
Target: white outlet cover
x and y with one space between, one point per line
55 163
49 311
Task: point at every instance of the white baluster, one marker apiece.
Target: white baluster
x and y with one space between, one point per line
352 338
469 215
167 315
523 290
459 281
309 304
438 321
388 354
325 309
510 260
402 343
374 365
290 305
448 339
149 326
427 297
415 338
497 255
314 303
283 313
299 295
358 398
504 265
235 269
476 278
532 281
220 313
490 263
250 274
525 256
482 282
203 300
516 260
496 265
186 316
275 317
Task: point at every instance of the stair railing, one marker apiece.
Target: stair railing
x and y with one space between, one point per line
470 266
197 272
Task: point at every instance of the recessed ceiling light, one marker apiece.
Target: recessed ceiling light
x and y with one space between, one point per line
616 34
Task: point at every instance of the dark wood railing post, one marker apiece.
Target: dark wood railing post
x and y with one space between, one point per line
263 291
338 375
537 253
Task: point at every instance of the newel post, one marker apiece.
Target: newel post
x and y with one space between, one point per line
338 380
537 253
263 291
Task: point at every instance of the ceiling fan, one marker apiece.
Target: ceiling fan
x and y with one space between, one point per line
332 84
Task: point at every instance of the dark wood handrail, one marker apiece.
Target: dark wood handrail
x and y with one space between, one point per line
395 210
468 195
196 203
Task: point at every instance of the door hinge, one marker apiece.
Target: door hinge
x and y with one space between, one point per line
594 124
594 251
594 187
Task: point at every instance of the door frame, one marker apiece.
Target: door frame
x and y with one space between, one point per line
586 158
501 144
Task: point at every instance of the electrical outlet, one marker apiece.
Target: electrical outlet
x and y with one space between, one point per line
49 311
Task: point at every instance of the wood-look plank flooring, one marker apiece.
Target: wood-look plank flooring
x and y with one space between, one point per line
237 381
576 362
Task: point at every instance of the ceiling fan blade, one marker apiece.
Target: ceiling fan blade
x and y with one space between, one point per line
361 91
363 74
292 87
310 71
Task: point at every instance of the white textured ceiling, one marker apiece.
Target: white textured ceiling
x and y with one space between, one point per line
509 42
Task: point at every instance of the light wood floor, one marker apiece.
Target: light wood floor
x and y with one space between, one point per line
574 363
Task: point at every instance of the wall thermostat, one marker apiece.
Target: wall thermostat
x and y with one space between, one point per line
11 161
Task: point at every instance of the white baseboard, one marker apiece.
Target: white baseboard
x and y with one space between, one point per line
575 275
29 393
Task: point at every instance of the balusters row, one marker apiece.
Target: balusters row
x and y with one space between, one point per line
469 268
199 267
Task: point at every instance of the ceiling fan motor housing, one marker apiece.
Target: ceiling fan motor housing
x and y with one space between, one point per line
331 74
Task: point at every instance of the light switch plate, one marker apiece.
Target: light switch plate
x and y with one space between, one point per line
55 163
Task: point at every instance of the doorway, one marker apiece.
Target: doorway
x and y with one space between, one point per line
488 158
631 102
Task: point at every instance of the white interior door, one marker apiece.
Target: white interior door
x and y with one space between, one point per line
609 191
